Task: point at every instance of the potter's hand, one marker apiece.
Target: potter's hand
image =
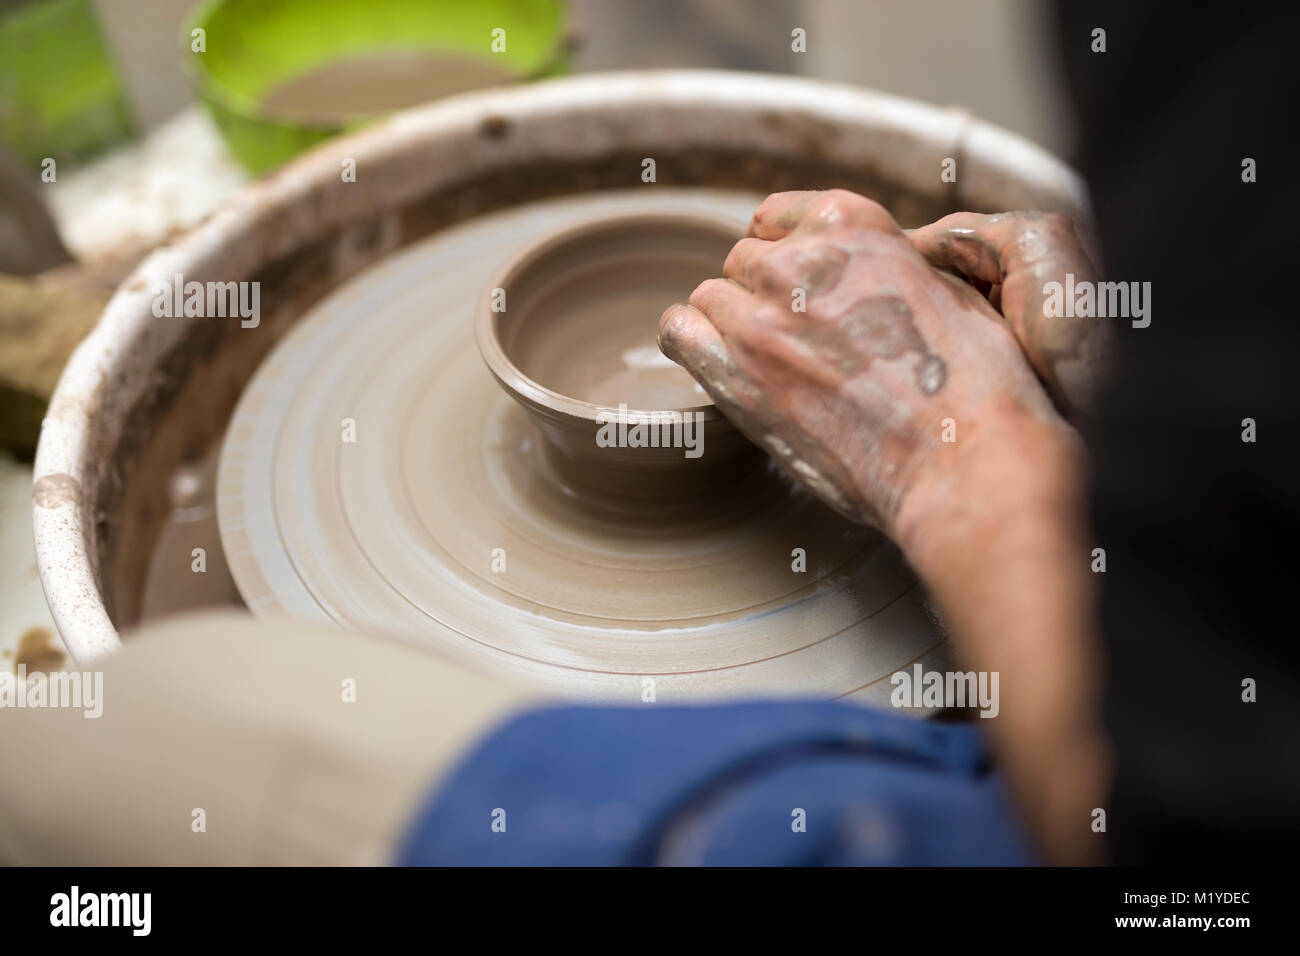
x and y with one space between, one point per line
835 346
1011 257
902 397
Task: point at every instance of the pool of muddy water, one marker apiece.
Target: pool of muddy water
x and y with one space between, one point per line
371 85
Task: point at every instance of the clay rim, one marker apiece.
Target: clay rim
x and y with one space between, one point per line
524 389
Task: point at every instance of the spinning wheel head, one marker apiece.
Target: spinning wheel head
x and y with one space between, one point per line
376 475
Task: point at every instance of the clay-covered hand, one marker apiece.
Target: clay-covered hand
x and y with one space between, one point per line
1011 257
834 345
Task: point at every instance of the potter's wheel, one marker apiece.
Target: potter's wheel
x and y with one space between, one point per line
434 523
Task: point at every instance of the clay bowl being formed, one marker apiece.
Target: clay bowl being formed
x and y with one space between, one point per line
569 329
145 398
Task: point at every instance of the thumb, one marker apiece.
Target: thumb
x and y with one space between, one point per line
970 244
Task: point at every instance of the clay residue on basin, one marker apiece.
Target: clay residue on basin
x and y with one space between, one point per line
37 652
52 491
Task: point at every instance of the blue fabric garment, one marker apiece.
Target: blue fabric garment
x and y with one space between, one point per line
720 785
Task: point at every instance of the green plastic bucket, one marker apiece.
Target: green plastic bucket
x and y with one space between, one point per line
253 47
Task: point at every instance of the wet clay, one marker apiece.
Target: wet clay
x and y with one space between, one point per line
37 652
882 327
436 518
54 491
577 346
597 342
382 84
582 318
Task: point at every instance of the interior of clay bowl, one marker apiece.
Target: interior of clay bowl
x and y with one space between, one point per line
570 331
133 432
584 309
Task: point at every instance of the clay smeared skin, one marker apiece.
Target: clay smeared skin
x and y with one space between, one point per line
1010 257
851 395
881 327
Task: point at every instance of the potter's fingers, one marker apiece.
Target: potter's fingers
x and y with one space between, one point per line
688 338
966 243
742 263
680 328
790 270
782 214
728 305
988 249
